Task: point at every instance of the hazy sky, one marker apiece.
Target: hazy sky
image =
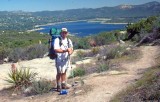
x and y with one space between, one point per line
52 5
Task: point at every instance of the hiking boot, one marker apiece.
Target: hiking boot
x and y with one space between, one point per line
58 88
64 86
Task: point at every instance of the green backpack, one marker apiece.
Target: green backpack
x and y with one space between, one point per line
55 33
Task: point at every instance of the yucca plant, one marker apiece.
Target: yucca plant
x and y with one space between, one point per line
21 77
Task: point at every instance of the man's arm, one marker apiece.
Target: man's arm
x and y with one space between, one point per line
62 51
69 50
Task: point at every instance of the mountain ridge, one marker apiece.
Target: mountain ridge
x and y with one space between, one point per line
152 8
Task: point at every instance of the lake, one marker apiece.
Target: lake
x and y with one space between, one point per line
84 28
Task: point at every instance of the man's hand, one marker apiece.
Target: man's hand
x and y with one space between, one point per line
70 50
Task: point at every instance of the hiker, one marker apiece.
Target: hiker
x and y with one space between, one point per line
63 50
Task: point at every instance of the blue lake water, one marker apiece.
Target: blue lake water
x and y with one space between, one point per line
83 28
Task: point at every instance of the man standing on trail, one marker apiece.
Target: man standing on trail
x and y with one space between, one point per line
64 48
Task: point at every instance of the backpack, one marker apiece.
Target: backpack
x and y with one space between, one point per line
54 33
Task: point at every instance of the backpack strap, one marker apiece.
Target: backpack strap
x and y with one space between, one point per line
68 42
60 41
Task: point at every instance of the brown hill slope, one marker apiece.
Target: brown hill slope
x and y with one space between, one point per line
100 87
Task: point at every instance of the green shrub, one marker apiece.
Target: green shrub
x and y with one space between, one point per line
41 86
95 50
13 41
90 53
156 23
31 52
80 54
77 72
20 77
103 66
80 43
116 52
4 52
104 38
143 27
35 51
16 54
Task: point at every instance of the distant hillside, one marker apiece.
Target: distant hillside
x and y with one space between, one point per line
144 10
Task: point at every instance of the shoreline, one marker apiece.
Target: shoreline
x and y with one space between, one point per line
103 22
113 23
57 23
39 27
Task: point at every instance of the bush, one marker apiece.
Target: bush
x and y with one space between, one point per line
95 50
104 38
35 51
81 54
81 43
142 27
77 72
115 52
4 52
41 86
103 66
16 54
31 52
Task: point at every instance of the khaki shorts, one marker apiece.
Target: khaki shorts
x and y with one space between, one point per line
62 66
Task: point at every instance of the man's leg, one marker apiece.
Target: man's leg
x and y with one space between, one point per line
63 79
58 76
63 76
58 79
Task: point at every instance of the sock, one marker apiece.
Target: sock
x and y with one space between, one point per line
63 82
58 84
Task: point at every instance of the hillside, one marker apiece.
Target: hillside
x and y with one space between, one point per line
102 86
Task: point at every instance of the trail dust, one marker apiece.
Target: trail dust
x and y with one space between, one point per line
104 85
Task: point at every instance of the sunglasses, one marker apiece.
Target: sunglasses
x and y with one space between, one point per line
64 32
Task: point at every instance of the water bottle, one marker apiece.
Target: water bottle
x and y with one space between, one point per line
63 92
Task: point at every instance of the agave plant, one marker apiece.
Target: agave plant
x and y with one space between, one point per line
21 77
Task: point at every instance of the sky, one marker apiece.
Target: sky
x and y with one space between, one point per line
53 5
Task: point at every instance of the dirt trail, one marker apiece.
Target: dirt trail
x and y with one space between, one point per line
105 85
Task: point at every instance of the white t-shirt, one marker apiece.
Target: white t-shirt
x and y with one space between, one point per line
64 46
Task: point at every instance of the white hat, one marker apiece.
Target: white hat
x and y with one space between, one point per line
64 30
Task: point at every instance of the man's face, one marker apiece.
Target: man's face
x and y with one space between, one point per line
64 34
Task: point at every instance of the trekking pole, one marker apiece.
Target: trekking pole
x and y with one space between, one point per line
69 63
72 72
